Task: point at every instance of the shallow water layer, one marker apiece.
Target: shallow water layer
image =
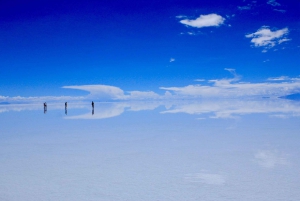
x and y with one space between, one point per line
187 150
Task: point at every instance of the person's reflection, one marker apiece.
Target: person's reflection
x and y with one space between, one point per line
66 108
45 107
93 107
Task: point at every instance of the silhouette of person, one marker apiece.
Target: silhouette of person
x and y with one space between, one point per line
45 107
93 107
66 106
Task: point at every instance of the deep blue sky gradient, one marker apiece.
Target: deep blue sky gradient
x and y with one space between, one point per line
45 45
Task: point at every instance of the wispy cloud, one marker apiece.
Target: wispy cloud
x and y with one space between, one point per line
210 20
172 60
273 3
280 10
248 7
281 78
191 33
284 78
181 16
266 38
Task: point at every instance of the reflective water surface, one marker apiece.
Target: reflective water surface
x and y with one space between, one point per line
224 149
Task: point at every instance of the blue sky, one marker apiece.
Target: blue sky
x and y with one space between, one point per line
50 48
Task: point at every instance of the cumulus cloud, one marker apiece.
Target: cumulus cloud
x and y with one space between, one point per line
204 21
264 37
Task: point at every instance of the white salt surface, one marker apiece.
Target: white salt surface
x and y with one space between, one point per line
131 152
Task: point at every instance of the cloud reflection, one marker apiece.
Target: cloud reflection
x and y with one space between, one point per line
230 108
206 178
270 158
204 108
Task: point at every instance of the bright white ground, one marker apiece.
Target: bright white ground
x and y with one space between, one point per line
213 150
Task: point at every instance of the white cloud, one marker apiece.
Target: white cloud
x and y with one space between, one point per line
266 38
103 92
217 88
273 3
284 78
222 88
172 59
204 21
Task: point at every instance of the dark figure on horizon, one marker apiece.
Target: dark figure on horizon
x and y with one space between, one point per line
45 107
93 107
66 106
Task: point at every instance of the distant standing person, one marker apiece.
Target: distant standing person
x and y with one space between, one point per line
45 107
66 106
92 104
